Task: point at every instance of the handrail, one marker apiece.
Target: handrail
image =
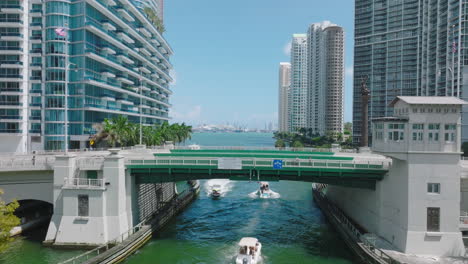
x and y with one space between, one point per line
351 228
84 182
263 162
119 239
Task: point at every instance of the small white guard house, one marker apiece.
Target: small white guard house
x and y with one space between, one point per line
420 205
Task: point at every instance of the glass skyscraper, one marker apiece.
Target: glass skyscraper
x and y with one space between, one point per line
409 47
118 65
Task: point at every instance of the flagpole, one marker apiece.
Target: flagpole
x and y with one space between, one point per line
67 65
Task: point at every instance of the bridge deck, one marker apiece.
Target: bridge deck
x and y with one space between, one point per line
323 167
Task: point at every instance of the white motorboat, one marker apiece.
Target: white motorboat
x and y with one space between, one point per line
216 191
249 251
264 191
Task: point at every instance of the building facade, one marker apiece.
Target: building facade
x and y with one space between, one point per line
406 48
297 100
325 78
117 61
283 91
317 79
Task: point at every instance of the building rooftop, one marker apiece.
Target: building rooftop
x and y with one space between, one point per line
428 100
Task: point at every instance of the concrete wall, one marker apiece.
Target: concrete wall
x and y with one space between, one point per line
25 185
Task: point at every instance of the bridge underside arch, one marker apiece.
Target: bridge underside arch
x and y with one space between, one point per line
27 185
342 177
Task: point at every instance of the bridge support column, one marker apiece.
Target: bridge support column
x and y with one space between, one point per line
90 212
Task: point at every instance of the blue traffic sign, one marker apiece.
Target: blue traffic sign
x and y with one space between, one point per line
277 164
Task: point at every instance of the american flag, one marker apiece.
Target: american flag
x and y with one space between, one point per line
61 32
454 47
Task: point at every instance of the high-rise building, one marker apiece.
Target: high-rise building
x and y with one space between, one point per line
408 47
297 99
283 90
317 79
117 61
325 71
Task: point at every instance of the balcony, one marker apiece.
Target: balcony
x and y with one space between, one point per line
144 69
11 22
35 25
124 101
108 26
145 52
145 32
35 12
125 59
11 64
110 2
11 78
108 50
11 9
83 183
35 91
125 14
35 52
108 74
11 36
123 79
9 118
125 37
35 65
36 39
11 131
11 50
108 98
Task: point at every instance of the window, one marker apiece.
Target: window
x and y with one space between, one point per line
396 132
433 187
433 219
83 205
450 132
418 132
434 132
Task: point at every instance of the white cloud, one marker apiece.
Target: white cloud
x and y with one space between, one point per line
287 49
349 71
173 75
189 115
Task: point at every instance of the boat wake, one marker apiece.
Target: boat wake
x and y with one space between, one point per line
226 186
273 195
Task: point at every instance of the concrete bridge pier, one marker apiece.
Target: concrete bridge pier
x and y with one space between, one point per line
90 211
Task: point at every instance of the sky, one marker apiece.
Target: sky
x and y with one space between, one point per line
227 54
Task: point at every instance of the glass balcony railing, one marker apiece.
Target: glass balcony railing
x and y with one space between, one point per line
11 48
35 91
14 131
11 90
36 51
36 64
36 10
35 131
10 20
11 76
11 62
36 37
11 34
12 7
35 78
35 118
35 104
10 103
11 117
35 24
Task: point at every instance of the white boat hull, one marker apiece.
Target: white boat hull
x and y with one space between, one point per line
249 259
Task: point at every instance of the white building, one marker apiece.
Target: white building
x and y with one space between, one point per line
283 90
297 101
317 79
416 207
325 71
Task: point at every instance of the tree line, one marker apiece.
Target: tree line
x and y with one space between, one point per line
119 132
306 137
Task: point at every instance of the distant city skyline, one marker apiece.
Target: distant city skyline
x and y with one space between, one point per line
226 56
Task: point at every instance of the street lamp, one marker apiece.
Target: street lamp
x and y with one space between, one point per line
141 109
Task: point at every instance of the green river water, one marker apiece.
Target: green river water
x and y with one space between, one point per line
291 228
